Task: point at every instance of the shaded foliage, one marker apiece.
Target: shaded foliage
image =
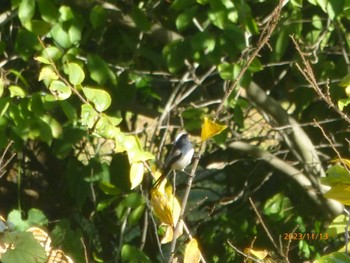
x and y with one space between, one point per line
91 91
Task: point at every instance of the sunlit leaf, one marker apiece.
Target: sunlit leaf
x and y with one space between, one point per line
60 90
100 98
161 207
26 11
51 53
335 257
339 192
343 160
185 18
338 225
88 115
337 174
17 91
192 252
76 74
210 129
228 71
42 60
259 254
136 174
24 248
133 254
342 103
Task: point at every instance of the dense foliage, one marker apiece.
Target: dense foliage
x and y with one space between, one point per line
92 93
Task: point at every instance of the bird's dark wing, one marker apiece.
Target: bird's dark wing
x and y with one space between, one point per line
173 156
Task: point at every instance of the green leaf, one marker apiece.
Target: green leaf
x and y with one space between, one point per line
69 239
98 17
17 91
55 126
65 13
339 192
343 103
203 41
106 126
136 215
337 226
182 4
99 70
61 36
105 203
100 98
38 27
26 11
60 90
88 115
337 174
255 66
229 71
76 74
47 74
185 18
42 60
26 43
133 254
140 19
133 200
109 189
52 53
332 8
25 248
35 217
2 86
335 257
48 11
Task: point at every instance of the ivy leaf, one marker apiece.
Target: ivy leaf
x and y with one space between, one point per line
25 248
35 217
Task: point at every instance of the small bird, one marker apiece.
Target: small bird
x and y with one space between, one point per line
179 158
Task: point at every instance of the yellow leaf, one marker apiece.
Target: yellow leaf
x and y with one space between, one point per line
259 254
210 129
169 234
340 192
136 174
161 206
165 205
345 161
47 73
192 253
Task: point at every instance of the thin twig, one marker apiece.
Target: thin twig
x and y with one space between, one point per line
332 145
242 253
264 38
289 242
309 75
265 227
